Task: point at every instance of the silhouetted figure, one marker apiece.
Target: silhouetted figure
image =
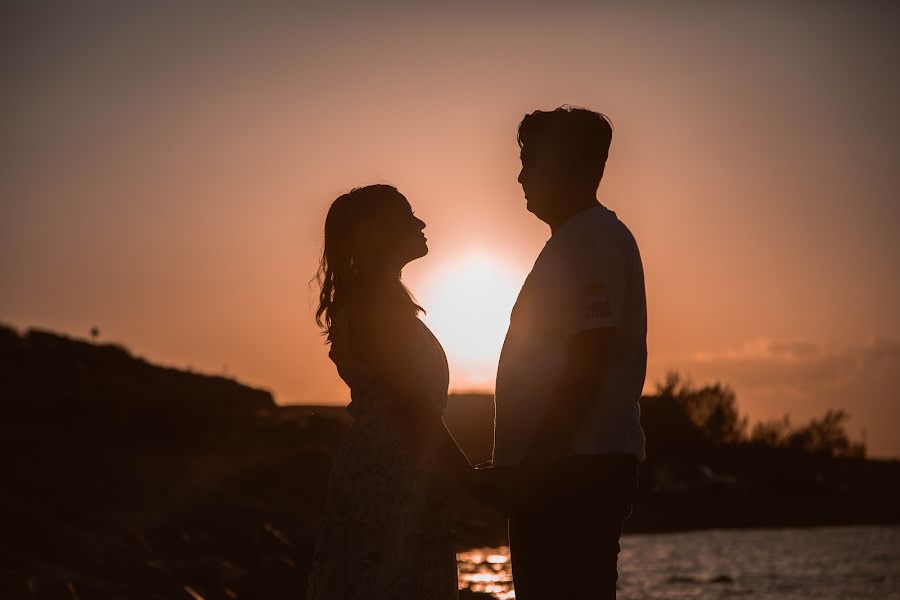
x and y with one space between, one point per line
568 436
385 532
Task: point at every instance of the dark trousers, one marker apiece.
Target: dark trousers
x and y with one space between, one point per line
564 540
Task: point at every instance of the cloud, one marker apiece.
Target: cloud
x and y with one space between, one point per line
881 350
765 363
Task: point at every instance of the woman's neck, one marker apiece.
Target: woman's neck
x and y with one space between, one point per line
380 273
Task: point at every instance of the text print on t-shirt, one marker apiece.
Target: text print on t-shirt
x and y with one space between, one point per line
598 304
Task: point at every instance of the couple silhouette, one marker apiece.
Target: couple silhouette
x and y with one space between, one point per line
567 433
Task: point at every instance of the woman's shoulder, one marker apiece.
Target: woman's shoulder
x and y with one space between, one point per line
372 323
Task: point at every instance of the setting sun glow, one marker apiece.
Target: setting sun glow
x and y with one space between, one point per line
468 303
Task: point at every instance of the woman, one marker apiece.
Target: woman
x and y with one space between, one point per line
385 532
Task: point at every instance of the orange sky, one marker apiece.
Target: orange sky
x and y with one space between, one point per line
167 168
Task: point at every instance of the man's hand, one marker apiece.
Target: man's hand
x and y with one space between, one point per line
505 488
494 486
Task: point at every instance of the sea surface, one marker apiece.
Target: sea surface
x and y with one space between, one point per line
822 563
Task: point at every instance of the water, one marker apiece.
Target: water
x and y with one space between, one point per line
822 563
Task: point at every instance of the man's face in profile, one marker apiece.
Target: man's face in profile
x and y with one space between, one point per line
542 178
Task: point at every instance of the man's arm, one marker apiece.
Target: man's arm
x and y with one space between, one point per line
587 359
586 363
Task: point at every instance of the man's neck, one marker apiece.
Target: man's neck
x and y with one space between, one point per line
571 209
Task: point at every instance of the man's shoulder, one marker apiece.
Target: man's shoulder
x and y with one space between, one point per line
608 222
609 236
602 237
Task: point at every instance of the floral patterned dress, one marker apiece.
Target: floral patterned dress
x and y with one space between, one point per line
385 532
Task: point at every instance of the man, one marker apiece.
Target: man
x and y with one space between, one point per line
568 437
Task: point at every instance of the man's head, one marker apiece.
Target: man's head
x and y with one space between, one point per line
563 154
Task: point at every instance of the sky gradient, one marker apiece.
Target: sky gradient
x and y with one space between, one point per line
166 169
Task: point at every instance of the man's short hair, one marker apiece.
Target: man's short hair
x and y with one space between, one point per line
578 134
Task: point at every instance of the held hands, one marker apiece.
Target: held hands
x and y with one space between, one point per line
505 488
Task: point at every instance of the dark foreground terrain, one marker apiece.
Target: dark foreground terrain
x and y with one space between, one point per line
122 479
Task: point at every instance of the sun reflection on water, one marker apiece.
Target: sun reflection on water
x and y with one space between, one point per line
487 571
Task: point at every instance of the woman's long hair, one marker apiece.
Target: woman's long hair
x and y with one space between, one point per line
339 276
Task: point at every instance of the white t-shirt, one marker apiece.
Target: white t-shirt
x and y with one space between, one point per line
589 275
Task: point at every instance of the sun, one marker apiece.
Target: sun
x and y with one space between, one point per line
468 302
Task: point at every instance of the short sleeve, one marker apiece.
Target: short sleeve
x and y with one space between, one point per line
593 294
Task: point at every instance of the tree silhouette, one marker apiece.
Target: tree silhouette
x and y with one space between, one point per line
681 417
712 408
825 436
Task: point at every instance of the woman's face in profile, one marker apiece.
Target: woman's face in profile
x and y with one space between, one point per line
397 237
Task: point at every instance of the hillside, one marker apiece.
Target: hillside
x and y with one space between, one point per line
127 480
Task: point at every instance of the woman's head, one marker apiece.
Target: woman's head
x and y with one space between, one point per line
371 233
